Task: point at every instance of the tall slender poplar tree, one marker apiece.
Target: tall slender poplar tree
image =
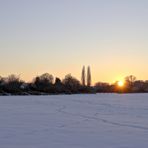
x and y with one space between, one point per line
88 76
83 76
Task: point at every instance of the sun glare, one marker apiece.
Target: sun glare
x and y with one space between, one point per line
120 83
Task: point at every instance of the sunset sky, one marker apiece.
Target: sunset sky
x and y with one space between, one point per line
60 36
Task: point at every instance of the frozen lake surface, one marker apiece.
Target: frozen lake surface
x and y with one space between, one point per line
74 121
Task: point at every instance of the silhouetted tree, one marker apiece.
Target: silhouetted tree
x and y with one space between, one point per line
83 77
44 82
88 77
130 79
102 87
129 82
58 81
1 84
46 77
139 86
13 84
1 80
145 86
59 87
71 84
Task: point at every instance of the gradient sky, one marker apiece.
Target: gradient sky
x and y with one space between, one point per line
60 36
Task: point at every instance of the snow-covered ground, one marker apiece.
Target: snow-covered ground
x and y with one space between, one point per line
74 121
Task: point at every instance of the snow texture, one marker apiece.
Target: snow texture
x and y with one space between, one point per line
74 121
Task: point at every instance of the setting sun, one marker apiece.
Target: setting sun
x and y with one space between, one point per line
120 83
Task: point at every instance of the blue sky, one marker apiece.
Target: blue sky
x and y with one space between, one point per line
60 36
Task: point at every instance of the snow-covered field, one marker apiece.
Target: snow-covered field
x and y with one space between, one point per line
74 121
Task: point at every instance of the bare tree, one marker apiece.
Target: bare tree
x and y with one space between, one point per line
13 78
13 84
88 76
130 80
83 76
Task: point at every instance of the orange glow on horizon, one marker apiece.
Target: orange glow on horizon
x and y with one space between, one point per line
120 83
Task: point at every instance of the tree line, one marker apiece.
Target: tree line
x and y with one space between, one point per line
131 85
46 84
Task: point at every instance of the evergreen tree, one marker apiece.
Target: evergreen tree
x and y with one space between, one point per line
83 76
88 76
